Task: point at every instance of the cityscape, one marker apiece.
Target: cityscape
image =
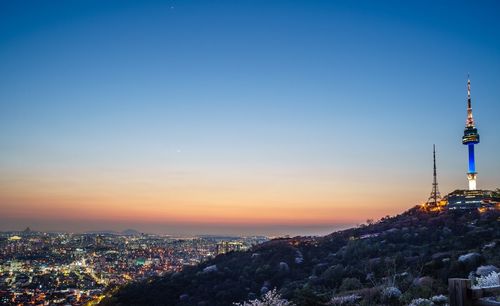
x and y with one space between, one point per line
39 268
249 153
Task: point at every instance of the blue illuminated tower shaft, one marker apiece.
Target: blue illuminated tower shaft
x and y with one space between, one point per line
472 162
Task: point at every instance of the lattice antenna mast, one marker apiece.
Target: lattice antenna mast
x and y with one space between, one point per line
435 195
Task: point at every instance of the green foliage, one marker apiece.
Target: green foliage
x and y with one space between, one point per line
415 252
350 283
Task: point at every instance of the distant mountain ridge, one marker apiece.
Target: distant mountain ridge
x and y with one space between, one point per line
131 232
127 232
389 262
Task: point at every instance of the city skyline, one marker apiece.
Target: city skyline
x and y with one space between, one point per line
239 117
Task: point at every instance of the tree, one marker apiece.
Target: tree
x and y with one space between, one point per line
271 298
350 283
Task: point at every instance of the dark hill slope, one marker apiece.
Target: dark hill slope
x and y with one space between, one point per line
415 251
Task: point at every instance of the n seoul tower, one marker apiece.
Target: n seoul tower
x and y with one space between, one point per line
470 138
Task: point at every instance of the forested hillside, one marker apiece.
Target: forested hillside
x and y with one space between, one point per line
389 262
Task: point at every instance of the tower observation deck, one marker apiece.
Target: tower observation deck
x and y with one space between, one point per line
470 139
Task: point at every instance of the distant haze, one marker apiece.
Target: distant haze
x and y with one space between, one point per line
180 229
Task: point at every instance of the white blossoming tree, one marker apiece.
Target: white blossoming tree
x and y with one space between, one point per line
421 302
344 300
439 299
391 292
271 298
490 280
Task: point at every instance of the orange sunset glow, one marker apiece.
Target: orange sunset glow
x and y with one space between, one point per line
253 199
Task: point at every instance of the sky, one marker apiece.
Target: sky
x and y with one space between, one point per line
239 117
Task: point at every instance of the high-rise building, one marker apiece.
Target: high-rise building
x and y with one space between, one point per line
224 247
470 139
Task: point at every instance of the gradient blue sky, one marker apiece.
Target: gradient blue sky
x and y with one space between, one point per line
267 107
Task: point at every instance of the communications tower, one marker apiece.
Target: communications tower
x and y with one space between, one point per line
470 138
435 196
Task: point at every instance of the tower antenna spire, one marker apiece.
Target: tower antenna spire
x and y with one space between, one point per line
470 118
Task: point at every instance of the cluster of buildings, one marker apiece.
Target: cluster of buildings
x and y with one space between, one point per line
78 269
471 198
